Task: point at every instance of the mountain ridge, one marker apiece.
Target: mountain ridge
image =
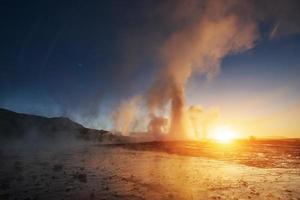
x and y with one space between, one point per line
14 125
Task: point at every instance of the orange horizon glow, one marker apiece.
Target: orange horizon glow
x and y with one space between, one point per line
223 134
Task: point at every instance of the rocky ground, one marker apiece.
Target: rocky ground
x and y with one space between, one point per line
139 172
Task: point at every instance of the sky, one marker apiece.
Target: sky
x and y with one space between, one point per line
80 59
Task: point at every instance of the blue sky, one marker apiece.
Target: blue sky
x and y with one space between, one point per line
79 60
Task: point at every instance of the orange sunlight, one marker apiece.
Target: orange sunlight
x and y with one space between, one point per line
223 134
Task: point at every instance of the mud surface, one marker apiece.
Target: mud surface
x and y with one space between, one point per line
139 172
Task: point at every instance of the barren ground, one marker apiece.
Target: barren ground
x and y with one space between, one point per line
152 171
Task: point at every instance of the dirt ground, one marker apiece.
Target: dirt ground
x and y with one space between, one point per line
119 172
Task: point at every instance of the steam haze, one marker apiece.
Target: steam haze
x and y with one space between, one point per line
129 66
208 31
199 47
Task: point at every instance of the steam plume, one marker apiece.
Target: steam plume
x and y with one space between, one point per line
157 126
201 34
224 27
201 120
125 115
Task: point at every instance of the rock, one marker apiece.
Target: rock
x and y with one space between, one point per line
5 185
80 177
18 166
4 196
20 178
57 167
92 195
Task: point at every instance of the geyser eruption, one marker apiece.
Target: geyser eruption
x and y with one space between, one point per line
221 28
157 126
201 34
124 115
201 120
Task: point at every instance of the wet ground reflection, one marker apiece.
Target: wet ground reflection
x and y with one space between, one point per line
115 172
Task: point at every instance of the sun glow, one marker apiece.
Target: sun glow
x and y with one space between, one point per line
223 134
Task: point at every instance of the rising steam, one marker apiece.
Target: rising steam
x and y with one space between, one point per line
208 31
199 47
124 115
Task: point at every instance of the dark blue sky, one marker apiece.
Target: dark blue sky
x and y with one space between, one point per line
80 58
68 54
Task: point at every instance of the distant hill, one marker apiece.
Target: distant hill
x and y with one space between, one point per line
17 126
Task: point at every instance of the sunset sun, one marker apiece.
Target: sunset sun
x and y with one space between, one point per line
157 99
223 134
